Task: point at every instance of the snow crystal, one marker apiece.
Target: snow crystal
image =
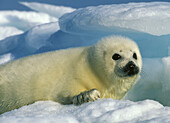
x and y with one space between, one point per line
56 11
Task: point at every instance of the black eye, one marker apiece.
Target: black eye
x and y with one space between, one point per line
134 56
116 56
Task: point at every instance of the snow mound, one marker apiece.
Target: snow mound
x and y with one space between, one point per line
37 36
56 11
7 31
29 42
135 16
103 110
24 20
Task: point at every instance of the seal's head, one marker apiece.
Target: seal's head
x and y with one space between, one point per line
116 57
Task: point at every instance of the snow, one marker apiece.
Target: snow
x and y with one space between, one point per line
24 20
35 28
146 23
152 18
57 39
56 11
8 31
37 36
25 33
103 110
6 58
30 42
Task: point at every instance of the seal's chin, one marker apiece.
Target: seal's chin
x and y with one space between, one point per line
128 74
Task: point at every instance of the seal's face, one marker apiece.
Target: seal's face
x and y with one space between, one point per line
116 58
126 63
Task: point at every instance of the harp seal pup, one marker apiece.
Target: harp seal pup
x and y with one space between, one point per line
107 69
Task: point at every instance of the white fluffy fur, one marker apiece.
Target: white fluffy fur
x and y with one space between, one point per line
62 74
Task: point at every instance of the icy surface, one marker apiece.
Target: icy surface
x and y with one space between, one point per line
52 10
152 18
106 110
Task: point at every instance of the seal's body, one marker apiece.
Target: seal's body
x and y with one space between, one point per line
77 75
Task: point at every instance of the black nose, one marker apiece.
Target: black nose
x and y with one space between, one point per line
131 69
131 65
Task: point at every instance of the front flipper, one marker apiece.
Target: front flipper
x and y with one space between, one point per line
86 96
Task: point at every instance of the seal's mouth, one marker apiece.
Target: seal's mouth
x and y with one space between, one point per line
132 72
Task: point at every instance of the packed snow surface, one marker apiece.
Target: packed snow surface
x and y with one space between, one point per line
153 18
101 111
